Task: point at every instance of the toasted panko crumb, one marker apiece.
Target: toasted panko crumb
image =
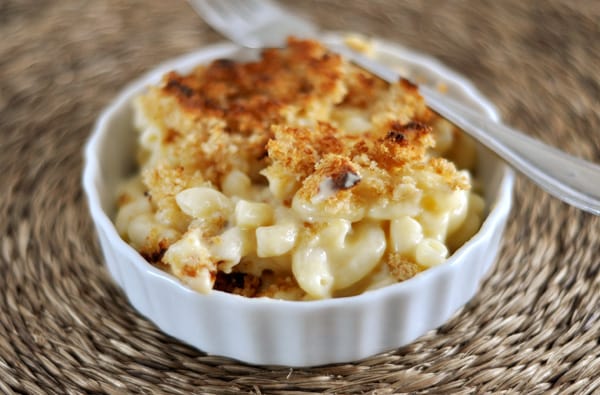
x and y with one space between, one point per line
401 267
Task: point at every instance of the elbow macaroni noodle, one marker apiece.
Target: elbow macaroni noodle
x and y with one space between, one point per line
319 214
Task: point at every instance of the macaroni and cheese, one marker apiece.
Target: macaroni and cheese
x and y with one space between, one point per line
297 176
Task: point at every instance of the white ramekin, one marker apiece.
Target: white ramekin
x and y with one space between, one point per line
265 331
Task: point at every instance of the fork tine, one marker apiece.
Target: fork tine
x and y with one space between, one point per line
213 16
263 6
251 23
238 11
247 7
252 12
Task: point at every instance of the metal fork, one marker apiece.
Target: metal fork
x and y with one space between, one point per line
262 23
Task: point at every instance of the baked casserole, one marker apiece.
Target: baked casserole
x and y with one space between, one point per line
297 176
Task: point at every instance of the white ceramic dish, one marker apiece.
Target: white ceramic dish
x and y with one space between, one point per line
264 331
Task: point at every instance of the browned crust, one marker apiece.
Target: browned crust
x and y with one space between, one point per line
154 254
237 283
250 96
285 111
403 143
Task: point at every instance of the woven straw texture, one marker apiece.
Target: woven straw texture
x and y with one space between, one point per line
66 328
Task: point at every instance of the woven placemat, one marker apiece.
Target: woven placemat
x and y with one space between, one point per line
65 327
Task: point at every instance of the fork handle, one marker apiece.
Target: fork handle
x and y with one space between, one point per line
570 179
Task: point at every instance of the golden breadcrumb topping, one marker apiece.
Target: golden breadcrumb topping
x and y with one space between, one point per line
303 131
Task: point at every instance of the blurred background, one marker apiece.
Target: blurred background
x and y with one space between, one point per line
62 61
